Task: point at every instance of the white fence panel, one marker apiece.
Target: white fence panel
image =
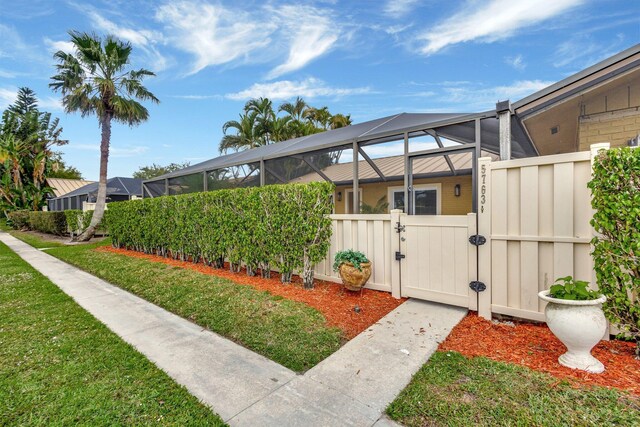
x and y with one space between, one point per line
370 234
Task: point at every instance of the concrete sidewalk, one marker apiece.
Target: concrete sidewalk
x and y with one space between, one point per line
351 387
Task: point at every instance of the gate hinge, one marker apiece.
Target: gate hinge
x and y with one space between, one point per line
399 228
477 286
477 240
400 256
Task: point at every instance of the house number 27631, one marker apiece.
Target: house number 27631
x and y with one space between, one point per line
483 187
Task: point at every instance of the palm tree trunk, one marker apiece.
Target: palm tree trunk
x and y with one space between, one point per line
101 199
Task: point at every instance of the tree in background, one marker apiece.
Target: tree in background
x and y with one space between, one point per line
259 124
27 138
95 80
60 169
148 172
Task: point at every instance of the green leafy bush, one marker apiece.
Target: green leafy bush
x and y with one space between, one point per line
354 257
567 288
18 219
77 220
281 226
48 222
616 249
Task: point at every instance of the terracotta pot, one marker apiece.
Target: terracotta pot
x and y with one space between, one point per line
580 325
352 278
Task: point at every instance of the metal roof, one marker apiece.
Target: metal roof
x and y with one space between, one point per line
393 168
117 186
62 186
600 66
458 127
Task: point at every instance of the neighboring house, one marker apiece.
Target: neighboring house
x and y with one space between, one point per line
118 189
62 186
598 104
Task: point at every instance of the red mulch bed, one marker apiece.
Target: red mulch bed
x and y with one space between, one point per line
335 303
534 346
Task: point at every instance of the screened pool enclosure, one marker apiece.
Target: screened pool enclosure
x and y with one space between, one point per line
398 157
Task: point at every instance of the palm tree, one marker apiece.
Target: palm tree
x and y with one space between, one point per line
263 108
296 109
95 80
320 117
280 129
246 136
339 121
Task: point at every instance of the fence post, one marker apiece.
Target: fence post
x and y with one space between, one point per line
396 214
484 229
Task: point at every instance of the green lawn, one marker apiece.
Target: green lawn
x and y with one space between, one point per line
288 332
60 366
451 390
29 238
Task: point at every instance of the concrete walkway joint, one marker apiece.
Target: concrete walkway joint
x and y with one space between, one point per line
351 387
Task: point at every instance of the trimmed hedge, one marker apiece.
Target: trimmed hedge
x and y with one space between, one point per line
284 226
54 222
18 219
616 249
77 220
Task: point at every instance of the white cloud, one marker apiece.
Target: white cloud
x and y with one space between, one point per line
120 152
311 33
145 40
516 62
399 8
582 50
490 21
8 96
215 34
212 34
287 89
475 98
56 45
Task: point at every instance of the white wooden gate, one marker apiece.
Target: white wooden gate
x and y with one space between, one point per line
439 262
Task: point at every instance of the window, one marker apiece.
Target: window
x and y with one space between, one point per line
426 199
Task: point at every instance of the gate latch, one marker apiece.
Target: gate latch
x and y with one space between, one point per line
477 240
399 228
400 256
477 286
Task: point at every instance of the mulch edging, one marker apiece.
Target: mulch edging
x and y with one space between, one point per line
534 346
335 303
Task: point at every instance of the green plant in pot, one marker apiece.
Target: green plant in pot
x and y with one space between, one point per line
574 315
354 268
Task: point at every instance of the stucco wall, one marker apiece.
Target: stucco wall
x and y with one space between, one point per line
614 127
449 203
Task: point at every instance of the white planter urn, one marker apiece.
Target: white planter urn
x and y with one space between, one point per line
580 325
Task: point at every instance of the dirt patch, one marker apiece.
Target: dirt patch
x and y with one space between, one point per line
63 240
534 346
336 304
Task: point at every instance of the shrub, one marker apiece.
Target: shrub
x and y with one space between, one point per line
48 222
18 219
616 249
286 226
77 220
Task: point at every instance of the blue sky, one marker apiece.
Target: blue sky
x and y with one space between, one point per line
366 58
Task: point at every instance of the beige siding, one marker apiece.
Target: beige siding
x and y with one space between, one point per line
450 204
616 128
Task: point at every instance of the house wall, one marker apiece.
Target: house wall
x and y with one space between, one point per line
449 203
614 127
